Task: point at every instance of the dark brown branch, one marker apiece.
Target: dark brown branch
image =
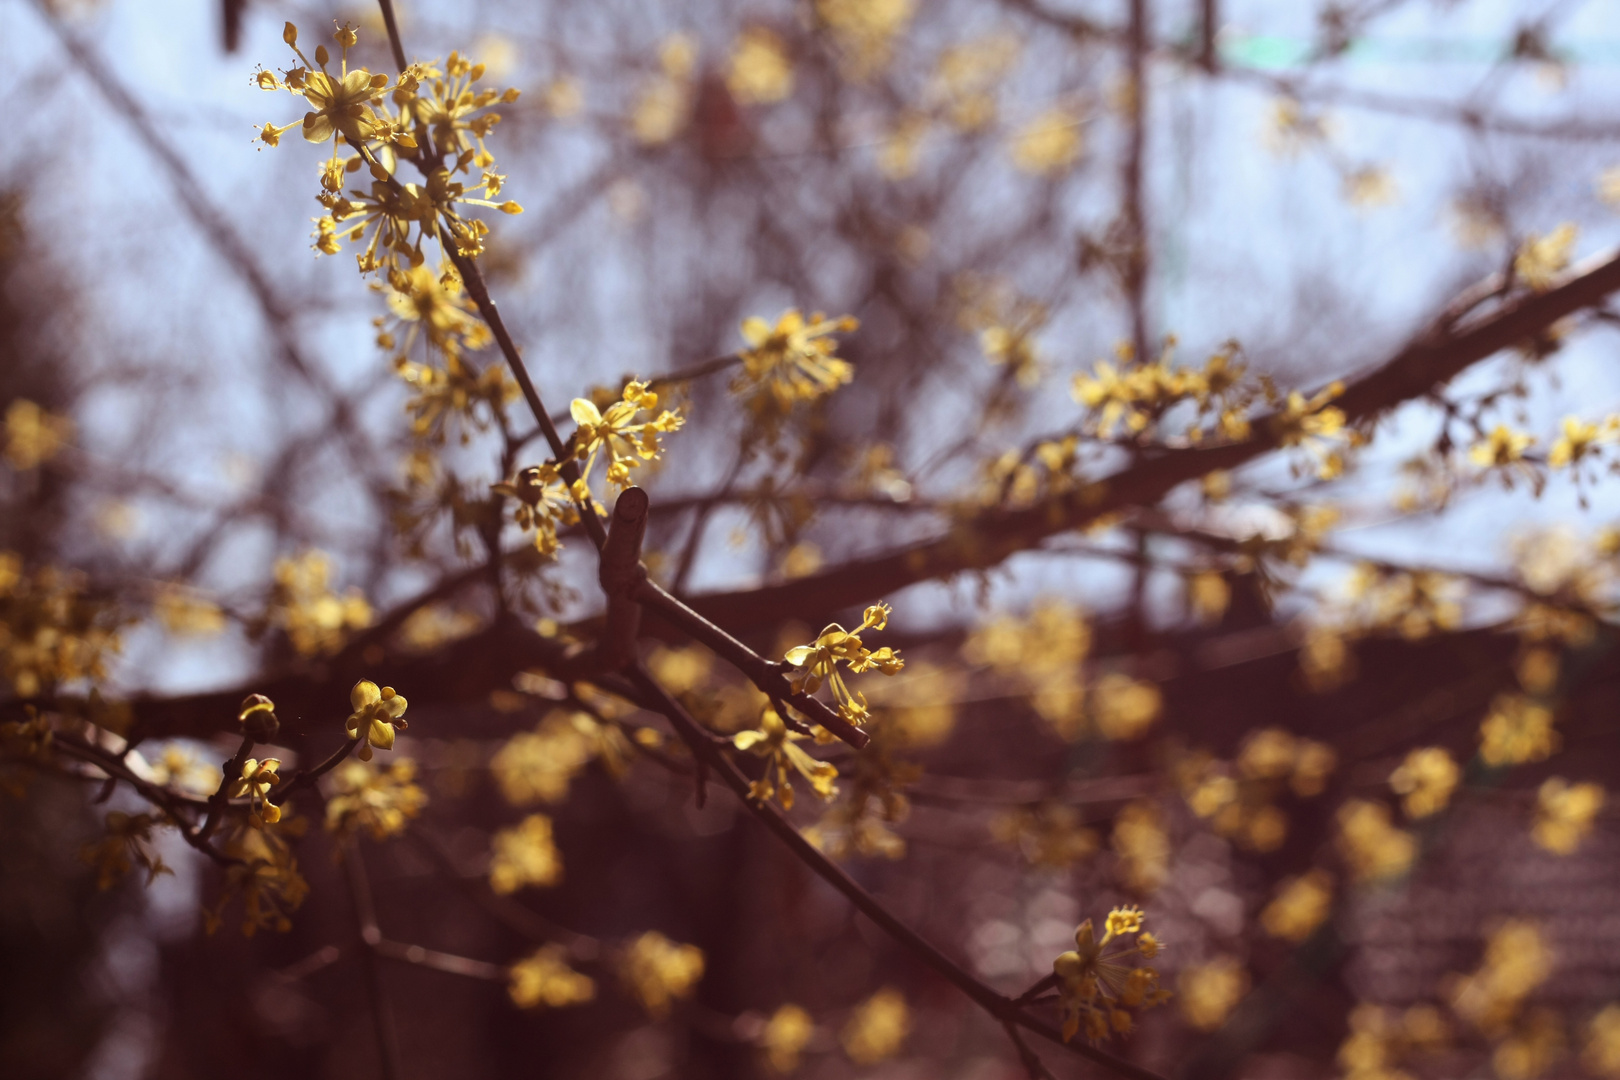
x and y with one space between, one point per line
370 936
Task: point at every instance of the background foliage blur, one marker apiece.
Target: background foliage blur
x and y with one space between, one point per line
1337 713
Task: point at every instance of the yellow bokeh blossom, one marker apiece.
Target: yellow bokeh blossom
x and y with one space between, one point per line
878 1027
1517 960
1374 849
380 801
790 363
377 712
784 1037
33 435
1123 707
1143 846
1541 258
1048 835
1564 813
186 613
1048 144
1516 730
659 972
1601 1055
543 979
524 855
1426 780
1210 991
1300 905
760 71
865 31
315 618
538 766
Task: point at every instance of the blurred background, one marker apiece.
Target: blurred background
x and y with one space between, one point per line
1339 719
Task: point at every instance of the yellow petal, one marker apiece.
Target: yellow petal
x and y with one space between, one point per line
382 735
585 413
365 692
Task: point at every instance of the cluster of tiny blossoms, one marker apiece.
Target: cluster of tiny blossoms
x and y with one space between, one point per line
430 116
818 662
1096 984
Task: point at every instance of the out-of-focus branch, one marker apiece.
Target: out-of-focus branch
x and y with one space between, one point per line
370 937
1433 357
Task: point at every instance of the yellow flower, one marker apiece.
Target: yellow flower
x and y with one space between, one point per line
617 432
1503 446
760 71
1541 258
544 978
454 114
785 1036
1564 813
1300 906
1369 187
1143 846
878 1028
1515 731
524 855
381 801
1426 778
543 504
1579 439
818 662
658 972
339 104
255 782
1098 988
376 714
791 363
432 305
776 743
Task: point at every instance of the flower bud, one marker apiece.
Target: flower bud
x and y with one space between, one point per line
289 34
258 717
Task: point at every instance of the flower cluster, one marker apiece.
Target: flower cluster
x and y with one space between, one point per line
818 662
544 979
658 972
790 363
1097 985
1137 394
524 855
302 603
777 745
543 503
52 629
618 435
380 801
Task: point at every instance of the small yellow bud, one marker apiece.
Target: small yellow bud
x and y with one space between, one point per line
511 95
345 37
476 73
510 207
321 55
289 34
378 81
